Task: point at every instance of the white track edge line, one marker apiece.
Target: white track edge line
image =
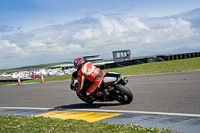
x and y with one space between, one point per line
110 111
140 112
27 108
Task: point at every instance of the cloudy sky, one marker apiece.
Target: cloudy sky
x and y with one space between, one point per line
36 32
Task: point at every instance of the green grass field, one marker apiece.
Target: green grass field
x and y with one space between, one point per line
192 64
19 124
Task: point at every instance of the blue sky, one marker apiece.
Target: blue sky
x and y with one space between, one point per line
60 30
32 14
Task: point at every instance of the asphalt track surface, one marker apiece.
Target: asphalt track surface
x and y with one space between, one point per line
167 93
171 93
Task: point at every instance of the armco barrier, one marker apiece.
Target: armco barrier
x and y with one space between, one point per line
124 63
182 56
150 60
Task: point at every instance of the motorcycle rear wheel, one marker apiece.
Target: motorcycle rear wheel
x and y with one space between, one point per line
124 95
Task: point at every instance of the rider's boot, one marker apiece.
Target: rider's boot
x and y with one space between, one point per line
94 95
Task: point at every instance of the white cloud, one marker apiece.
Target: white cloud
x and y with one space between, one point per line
9 49
111 25
133 23
99 34
177 28
86 34
76 47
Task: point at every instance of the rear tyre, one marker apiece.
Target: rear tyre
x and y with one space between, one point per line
124 95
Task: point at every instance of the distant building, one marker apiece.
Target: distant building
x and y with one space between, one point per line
122 55
93 58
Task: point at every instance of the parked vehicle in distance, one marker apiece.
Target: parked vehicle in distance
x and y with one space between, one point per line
35 76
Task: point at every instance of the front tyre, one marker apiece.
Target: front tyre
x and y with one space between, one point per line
124 95
85 99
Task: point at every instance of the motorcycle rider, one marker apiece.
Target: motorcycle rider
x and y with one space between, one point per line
87 71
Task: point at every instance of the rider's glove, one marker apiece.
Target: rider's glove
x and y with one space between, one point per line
74 87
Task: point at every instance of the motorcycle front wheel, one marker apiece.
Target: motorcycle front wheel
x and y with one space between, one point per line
85 99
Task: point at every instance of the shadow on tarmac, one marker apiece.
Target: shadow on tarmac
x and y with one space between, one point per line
87 106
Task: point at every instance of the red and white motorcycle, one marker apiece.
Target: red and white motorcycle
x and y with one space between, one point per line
112 88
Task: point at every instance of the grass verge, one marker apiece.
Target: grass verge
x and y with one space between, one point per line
7 83
50 79
9 124
47 79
